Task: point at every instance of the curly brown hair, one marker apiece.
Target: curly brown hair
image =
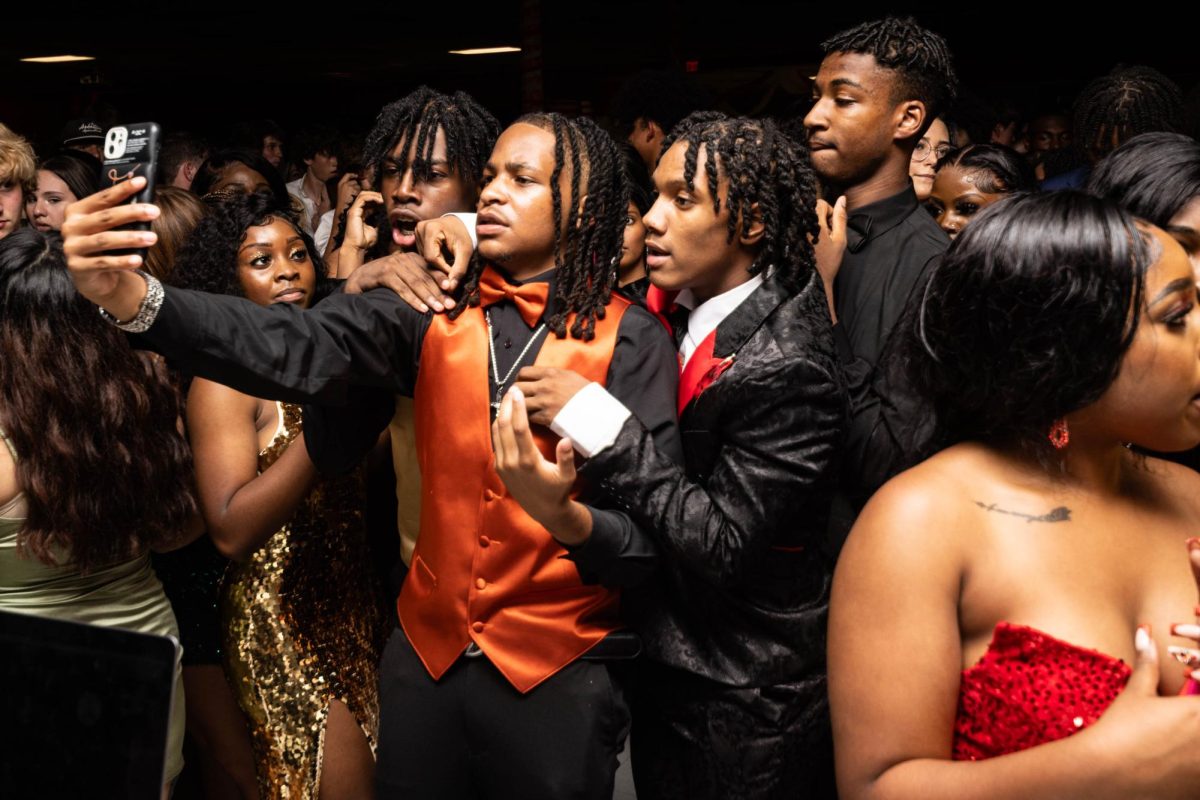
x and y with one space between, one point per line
103 465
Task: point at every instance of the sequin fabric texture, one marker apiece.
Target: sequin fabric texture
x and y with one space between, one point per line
1030 688
304 625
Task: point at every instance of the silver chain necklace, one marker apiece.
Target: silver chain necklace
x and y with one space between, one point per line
500 384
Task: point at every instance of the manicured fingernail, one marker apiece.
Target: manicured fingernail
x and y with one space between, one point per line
1193 542
150 237
423 308
516 392
1141 640
1184 655
435 304
1195 674
1189 631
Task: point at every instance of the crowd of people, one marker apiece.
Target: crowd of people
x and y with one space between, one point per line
851 454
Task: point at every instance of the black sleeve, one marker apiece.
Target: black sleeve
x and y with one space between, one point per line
644 376
774 455
887 424
338 438
281 352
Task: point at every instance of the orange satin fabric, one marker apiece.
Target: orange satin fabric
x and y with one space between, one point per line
483 570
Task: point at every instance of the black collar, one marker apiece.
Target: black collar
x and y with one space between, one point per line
876 219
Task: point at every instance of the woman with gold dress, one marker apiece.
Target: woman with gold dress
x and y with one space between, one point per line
301 608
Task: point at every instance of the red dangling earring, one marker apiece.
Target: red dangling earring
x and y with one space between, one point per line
1060 435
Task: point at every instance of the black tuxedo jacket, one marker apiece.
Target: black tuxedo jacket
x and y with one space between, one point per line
743 590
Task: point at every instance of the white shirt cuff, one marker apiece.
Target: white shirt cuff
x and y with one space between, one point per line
466 218
591 419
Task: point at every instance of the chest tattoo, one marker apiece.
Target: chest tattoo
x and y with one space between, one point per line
1059 514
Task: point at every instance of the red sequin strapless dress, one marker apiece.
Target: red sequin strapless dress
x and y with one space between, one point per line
1030 688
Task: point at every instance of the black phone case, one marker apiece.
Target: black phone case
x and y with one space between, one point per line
129 151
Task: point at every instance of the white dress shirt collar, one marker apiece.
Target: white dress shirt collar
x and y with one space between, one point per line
705 318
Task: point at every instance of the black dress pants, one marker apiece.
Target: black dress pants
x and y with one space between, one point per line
696 739
472 735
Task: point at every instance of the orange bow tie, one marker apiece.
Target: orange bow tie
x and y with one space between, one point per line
530 298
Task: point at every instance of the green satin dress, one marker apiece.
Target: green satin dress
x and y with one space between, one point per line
122 595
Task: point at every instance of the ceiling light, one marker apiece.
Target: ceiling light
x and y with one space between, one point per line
58 59
485 51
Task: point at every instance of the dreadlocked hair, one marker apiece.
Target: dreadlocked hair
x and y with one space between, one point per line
470 131
764 167
585 254
919 56
1122 104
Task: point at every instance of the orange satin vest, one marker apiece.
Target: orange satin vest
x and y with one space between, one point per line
483 570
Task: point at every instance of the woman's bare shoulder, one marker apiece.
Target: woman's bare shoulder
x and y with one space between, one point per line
933 496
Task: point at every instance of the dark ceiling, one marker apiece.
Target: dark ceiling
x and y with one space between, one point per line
221 62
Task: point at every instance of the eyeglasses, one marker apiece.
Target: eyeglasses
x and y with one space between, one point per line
924 148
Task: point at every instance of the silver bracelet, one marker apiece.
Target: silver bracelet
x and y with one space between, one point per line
147 311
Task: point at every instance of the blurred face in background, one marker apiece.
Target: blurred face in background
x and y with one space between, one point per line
923 166
11 201
47 206
272 150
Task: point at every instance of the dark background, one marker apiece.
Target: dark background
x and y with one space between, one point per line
205 67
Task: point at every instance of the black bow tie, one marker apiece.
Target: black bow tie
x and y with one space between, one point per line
858 232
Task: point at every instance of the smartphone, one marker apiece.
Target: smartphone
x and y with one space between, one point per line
129 151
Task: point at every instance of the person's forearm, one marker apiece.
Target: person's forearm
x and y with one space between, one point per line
1068 769
571 525
349 258
261 507
773 471
124 302
286 353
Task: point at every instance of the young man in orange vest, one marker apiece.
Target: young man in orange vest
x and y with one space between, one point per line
730 695
488 688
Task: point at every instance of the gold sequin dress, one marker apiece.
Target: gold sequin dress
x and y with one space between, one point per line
304 625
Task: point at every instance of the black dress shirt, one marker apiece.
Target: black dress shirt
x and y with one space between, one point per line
891 246
350 354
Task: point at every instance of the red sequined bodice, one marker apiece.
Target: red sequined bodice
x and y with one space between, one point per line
1030 688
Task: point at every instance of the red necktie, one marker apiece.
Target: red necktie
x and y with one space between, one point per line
530 298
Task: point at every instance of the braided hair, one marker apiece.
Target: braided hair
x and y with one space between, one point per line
764 167
584 254
999 169
469 129
1122 104
920 58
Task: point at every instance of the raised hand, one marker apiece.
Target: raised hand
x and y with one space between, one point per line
407 275
830 246
359 234
436 238
1155 738
541 487
547 389
89 235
